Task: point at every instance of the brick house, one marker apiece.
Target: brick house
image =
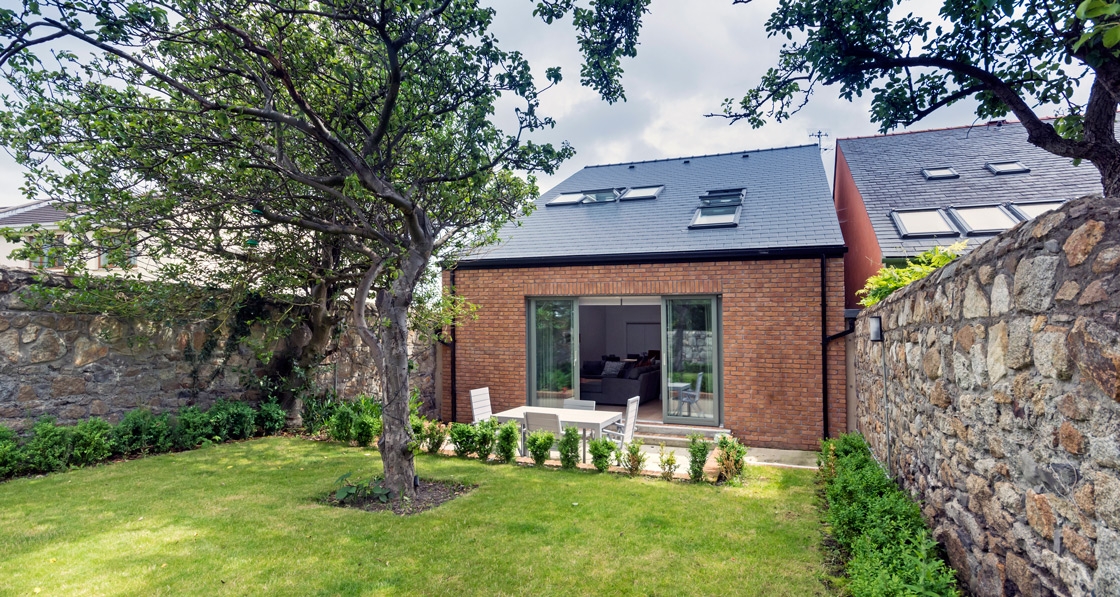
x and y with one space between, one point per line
705 285
900 194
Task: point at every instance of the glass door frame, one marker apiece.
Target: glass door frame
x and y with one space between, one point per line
531 345
717 362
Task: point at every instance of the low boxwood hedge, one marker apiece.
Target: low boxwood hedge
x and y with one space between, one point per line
877 527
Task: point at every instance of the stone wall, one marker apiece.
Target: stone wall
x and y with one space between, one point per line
76 366
1000 411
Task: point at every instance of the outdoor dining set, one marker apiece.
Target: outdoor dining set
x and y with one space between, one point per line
580 414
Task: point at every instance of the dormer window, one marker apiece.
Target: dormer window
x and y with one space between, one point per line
940 173
999 168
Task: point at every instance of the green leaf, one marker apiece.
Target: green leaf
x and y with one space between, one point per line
1111 36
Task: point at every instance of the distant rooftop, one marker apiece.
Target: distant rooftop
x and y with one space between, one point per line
989 164
742 203
35 212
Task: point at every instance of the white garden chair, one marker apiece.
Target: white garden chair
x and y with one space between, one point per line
579 404
480 404
625 433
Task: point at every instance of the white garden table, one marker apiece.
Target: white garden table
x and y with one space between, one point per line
594 421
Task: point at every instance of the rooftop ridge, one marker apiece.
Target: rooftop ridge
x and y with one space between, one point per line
14 210
941 129
691 157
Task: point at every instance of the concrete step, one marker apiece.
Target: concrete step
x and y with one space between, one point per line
675 436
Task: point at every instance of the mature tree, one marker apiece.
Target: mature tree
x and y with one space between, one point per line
1021 57
326 148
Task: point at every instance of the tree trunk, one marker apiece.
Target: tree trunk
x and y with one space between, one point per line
396 435
1110 175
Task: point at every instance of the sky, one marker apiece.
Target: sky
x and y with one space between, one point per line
693 55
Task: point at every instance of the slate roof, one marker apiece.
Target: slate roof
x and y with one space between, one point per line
787 208
887 169
36 212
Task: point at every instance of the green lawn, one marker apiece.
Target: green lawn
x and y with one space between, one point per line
244 519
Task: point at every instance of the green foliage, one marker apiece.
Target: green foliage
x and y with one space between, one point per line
243 420
10 454
141 432
667 462
730 455
364 429
508 436
433 435
341 428
878 524
485 436
348 490
192 427
631 458
698 450
569 448
48 450
601 449
890 279
318 411
464 438
539 443
91 442
271 418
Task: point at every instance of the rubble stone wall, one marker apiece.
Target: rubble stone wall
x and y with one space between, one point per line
76 366
1001 405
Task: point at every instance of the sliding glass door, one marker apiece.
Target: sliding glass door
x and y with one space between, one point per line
552 351
691 360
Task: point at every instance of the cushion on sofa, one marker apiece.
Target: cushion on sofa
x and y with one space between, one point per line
612 368
592 368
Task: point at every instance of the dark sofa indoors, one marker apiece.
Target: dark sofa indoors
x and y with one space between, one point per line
644 382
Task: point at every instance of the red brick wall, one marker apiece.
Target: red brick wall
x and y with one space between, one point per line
864 258
771 336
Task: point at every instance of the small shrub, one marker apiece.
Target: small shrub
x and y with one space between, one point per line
601 449
91 441
698 450
10 456
363 429
539 444
341 427
130 435
667 461
463 438
242 420
192 427
221 419
569 448
889 279
318 411
158 437
433 436
632 458
48 450
485 436
271 418
506 447
730 458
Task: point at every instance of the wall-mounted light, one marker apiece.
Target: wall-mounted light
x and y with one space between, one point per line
876 328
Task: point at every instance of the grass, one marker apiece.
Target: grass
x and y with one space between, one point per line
245 519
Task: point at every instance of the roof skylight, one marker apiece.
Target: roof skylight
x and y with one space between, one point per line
634 193
939 173
1013 167
567 199
983 219
715 217
723 197
1030 211
923 222
600 196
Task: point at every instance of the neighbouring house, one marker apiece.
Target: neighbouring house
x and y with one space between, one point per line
900 194
707 286
46 214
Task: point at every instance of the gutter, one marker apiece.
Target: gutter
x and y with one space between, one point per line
668 257
454 344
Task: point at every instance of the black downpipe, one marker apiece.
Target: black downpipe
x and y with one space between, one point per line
825 339
454 343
